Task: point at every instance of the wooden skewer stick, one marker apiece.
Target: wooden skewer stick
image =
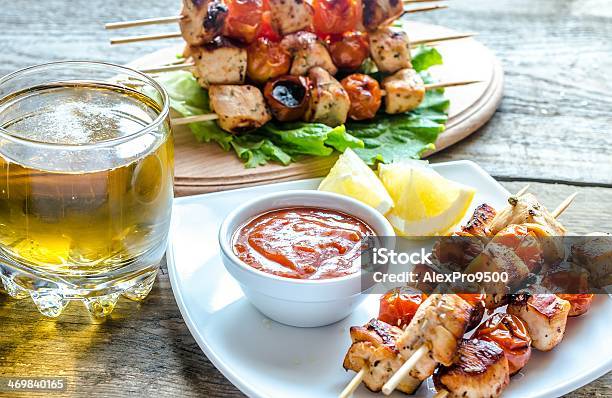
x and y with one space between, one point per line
143 22
443 38
402 372
424 9
564 205
169 68
451 84
194 119
353 384
135 39
441 394
212 116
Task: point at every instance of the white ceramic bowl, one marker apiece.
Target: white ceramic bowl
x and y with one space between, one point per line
297 302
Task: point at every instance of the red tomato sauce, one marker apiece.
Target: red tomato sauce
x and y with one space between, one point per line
302 243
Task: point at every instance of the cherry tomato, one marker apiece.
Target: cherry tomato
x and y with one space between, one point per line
336 16
350 50
365 95
267 29
398 306
524 243
510 333
244 19
266 60
580 302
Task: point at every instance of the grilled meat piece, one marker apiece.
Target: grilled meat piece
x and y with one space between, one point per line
545 316
594 252
390 50
202 20
481 370
307 52
580 303
377 13
374 346
240 108
499 258
405 91
329 103
289 16
527 210
219 62
439 324
480 222
457 251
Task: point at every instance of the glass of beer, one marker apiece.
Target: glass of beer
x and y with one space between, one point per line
86 184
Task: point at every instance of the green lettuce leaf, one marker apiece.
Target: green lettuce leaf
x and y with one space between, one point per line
424 58
186 95
310 138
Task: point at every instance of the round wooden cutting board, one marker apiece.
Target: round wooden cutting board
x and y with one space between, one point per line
202 168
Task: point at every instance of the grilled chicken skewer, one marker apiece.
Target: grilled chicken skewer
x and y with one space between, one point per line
500 329
201 21
177 18
329 104
397 308
384 52
372 353
547 324
431 338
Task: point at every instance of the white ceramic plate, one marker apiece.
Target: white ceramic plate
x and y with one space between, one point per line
266 359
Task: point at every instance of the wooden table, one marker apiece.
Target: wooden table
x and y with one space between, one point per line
553 129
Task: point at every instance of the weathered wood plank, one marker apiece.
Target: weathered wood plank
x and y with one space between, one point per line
146 349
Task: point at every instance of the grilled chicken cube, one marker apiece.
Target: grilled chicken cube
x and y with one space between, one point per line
289 16
457 251
329 103
527 210
594 253
439 324
377 13
499 258
390 50
405 91
545 316
374 346
202 21
219 62
307 51
240 108
481 370
480 222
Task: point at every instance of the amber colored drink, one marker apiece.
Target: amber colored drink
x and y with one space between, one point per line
96 220
86 190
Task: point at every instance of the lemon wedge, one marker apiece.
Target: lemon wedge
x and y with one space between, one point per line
426 204
350 176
